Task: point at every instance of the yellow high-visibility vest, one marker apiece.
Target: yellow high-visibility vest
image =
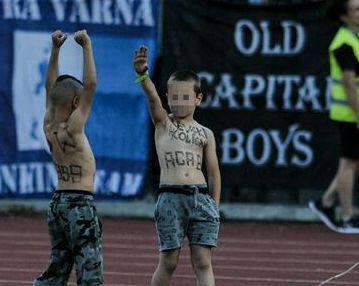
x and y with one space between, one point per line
340 110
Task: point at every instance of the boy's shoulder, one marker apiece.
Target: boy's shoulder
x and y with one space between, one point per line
205 128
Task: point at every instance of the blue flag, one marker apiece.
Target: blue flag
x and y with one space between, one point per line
118 129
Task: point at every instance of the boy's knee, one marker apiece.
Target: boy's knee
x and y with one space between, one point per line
201 263
169 263
201 259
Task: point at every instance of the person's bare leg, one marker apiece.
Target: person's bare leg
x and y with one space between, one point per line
201 257
166 266
347 171
331 194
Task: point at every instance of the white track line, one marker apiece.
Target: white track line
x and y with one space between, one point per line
143 245
221 251
153 265
223 240
339 275
217 260
17 282
219 277
45 242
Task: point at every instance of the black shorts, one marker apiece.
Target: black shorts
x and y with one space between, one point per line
349 140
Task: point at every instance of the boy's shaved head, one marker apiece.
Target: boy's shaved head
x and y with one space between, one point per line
66 87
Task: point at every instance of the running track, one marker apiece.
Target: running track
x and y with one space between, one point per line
250 254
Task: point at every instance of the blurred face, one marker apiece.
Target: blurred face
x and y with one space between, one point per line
182 98
352 17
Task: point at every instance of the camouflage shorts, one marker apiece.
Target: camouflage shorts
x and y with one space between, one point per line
76 238
179 215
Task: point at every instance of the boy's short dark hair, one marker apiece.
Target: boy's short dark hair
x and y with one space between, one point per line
188 75
67 76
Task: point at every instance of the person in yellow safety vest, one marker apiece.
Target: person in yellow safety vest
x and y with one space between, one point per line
344 111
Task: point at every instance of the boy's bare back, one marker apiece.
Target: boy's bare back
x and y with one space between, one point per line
72 155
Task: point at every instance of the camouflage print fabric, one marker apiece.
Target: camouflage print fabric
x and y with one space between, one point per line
76 238
179 215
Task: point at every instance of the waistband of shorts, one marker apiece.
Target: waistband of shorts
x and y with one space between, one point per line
184 189
74 192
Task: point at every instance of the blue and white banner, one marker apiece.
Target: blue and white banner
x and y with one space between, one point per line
118 128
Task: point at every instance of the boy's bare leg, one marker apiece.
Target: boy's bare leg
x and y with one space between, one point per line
201 258
166 266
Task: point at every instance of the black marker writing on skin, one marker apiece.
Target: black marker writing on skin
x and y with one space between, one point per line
191 135
181 158
70 172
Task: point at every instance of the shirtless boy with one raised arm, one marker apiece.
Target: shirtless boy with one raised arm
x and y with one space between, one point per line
186 205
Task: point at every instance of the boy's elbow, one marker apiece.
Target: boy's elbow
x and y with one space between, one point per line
90 86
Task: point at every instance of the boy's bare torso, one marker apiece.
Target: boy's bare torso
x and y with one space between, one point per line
180 152
72 155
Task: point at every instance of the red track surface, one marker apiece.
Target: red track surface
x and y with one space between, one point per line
250 254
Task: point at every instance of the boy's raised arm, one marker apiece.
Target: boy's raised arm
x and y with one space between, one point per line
157 112
58 38
79 117
89 71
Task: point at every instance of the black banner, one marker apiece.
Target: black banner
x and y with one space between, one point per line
265 75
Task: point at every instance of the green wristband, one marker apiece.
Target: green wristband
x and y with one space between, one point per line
141 78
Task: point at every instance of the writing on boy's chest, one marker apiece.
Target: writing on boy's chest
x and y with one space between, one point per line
173 159
190 135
